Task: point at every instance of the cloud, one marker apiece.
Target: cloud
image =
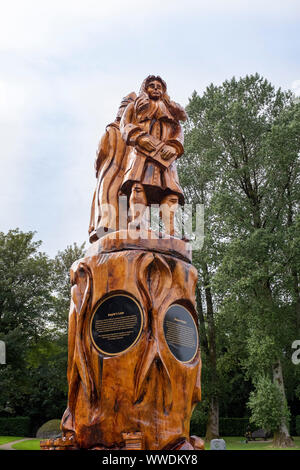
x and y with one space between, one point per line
296 87
60 25
65 65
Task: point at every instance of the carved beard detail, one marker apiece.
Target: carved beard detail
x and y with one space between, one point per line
147 108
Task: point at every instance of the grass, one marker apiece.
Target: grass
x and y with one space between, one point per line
34 444
232 443
238 443
7 439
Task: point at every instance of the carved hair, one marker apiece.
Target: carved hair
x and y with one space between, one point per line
175 109
125 101
149 79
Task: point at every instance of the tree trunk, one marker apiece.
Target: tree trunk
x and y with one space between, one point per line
282 436
202 329
297 298
294 272
212 427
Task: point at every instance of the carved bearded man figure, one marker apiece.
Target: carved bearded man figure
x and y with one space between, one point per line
150 125
134 364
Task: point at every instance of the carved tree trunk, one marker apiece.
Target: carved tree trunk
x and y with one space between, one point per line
145 389
134 360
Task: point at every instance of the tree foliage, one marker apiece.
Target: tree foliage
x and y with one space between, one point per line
34 304
242 143
242 146
267 405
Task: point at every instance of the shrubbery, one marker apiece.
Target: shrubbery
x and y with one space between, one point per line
48 430
198 423
233 426
267 405
297 420
228 426
18 426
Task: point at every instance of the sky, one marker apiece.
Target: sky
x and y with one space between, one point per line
65 66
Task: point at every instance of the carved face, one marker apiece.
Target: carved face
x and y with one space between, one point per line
138 195
171 200
154 90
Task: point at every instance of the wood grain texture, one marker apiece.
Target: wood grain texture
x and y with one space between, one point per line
140 147
145 389
143 397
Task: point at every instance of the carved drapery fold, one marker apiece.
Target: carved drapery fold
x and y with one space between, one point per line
112 395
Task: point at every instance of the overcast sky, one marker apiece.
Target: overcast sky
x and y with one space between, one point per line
65 65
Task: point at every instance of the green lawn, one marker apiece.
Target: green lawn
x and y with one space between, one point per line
34 444
232 443
7 439
238 443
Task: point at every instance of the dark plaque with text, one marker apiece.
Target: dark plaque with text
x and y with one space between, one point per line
116 324
181 333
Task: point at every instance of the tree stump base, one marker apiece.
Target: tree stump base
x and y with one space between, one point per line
134 362
132 441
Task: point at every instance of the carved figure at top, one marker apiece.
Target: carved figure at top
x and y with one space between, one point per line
136 157
150 125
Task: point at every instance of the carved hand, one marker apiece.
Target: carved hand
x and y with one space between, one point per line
146 143
168 152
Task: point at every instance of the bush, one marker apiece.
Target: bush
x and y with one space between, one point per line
198 423
233 426
18 426
227 426
49 430
267 405
297 420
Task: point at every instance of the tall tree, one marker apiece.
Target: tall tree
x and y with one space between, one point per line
34 304
25 304
25 296
248 132
60 279
198 176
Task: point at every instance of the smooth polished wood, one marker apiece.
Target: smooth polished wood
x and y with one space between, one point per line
140 146
142 240
144 389
138 396
110 166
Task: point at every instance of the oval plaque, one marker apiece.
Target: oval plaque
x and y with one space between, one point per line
116 324
181 333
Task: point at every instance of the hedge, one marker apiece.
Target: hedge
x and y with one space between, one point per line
233 426
198 424
227 426
297 425
49 430
18 426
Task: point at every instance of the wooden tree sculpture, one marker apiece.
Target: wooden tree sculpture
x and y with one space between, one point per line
134 362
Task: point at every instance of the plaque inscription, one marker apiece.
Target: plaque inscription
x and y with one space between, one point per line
116 324
181 333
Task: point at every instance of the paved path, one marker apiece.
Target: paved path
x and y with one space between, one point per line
9 445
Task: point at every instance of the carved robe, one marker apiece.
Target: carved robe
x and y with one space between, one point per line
110 168
158 122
